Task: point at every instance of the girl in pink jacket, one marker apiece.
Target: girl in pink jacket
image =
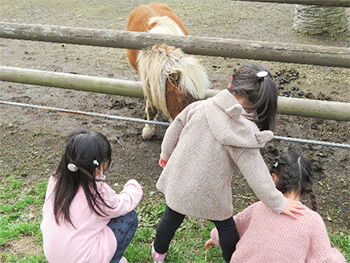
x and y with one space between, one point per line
268 237
84 220
207 144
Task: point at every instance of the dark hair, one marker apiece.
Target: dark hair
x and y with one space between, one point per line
87 150
260 91
294 173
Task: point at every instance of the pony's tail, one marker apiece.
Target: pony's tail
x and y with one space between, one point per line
157 63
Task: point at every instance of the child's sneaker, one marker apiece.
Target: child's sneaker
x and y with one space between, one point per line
123 260
157 258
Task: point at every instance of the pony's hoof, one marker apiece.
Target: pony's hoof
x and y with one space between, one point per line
148 132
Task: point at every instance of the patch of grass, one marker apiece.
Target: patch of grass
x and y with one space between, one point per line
342 241
187 245
20 216
20 205
8 257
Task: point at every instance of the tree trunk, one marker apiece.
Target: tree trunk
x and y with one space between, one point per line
313 19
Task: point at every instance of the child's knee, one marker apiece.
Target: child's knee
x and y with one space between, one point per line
132 218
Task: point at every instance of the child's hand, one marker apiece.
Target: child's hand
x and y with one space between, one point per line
162 163
208 243
293 207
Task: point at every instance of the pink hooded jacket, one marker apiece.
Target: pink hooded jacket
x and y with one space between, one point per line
91 240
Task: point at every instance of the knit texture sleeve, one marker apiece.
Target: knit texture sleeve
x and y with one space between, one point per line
257 175
320 247
173 132
214 235
242 219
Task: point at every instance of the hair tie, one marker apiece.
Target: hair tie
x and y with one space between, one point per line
72 167
95 162
275 164
262 74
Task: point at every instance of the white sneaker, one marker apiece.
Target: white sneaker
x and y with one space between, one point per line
123 260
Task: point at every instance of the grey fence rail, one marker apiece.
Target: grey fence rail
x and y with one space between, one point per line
222 47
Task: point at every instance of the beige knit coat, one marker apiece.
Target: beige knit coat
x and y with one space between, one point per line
204 146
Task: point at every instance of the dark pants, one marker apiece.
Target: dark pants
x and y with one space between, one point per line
124 228
172 220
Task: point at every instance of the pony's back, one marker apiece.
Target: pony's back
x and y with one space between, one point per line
145 17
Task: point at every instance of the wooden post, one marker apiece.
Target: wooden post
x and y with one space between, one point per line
337 3
233 48
288 106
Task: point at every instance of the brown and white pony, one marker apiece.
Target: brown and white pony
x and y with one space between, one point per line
170 78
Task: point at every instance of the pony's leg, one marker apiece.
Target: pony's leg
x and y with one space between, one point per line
149 129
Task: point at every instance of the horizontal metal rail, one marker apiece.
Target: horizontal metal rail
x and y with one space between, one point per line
94 114
208 46
288 106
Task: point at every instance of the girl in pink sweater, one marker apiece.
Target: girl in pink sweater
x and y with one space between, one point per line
207 144
268 237
84 220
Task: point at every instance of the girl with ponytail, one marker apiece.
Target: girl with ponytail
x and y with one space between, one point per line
206 146
268 237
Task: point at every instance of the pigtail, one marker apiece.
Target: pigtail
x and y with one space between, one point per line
254 82
266 106
312 198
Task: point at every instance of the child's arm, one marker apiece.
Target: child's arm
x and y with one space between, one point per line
320 247
173 132
253 167
125 201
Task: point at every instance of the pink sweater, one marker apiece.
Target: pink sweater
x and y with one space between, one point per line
270 237
91 240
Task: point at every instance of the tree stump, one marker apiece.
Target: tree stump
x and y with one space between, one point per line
317 20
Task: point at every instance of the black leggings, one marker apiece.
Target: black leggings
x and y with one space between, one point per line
172 220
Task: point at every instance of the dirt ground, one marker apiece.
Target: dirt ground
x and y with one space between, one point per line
31 131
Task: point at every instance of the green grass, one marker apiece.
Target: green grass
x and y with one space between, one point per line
19 207
20 216
8 257
187 245
341 241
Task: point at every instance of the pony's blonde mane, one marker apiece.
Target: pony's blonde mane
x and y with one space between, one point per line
156 63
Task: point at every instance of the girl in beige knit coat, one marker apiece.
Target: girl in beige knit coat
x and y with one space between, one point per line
208 142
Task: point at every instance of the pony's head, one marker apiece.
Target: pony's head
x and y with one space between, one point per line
176 100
